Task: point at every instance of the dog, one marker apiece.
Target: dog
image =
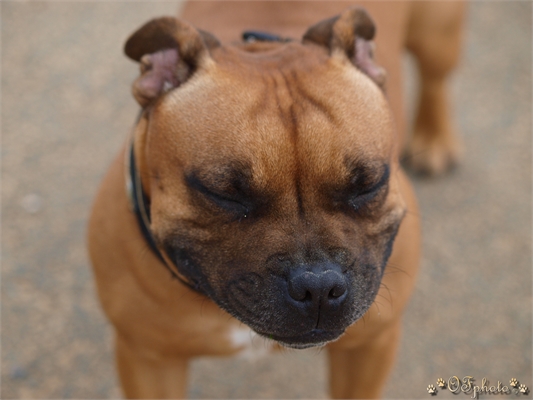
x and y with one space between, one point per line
264 178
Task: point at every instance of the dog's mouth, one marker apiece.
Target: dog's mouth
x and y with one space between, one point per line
313 338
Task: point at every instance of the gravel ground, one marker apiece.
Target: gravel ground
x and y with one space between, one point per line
66 109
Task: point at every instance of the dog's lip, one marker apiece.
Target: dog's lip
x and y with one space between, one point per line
313 338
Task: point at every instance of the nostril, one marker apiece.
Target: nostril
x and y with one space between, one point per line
301 288
337 291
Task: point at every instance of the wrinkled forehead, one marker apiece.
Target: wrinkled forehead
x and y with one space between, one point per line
268 109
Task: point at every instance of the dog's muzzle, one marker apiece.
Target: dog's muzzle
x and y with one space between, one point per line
305 305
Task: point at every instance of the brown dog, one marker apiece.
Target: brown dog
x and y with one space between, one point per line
264 176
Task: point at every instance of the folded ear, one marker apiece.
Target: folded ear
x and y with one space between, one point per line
350 34
169 51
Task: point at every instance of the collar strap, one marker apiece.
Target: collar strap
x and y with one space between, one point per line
140 206
259 36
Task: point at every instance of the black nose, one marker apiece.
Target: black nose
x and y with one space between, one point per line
321 285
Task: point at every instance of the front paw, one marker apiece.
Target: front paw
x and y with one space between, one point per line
430 154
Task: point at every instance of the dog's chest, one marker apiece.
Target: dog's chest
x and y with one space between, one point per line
249 345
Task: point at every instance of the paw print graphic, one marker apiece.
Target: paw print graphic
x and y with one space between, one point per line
441 383
513 382
523 389
432 390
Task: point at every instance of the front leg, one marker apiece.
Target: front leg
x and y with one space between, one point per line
434 38
146 375
361 373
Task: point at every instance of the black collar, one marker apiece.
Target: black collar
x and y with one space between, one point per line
140 206
259 36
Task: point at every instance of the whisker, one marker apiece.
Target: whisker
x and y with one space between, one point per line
377 303
389 300
203 301
395 269
364 320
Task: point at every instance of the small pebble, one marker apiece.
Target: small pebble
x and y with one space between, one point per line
19 373
32 203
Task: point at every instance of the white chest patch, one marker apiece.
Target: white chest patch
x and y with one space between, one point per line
249 344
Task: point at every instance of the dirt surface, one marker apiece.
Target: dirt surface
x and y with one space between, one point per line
66 109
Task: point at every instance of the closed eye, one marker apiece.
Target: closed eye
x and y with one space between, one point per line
362 199
232 205
364 191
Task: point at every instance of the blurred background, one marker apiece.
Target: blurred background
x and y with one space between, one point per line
66 110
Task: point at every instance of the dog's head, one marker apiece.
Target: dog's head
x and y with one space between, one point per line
270 170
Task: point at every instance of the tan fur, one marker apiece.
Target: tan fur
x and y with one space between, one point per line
245 106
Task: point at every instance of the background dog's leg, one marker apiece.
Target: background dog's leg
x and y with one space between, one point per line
361 373
434 37
150 377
